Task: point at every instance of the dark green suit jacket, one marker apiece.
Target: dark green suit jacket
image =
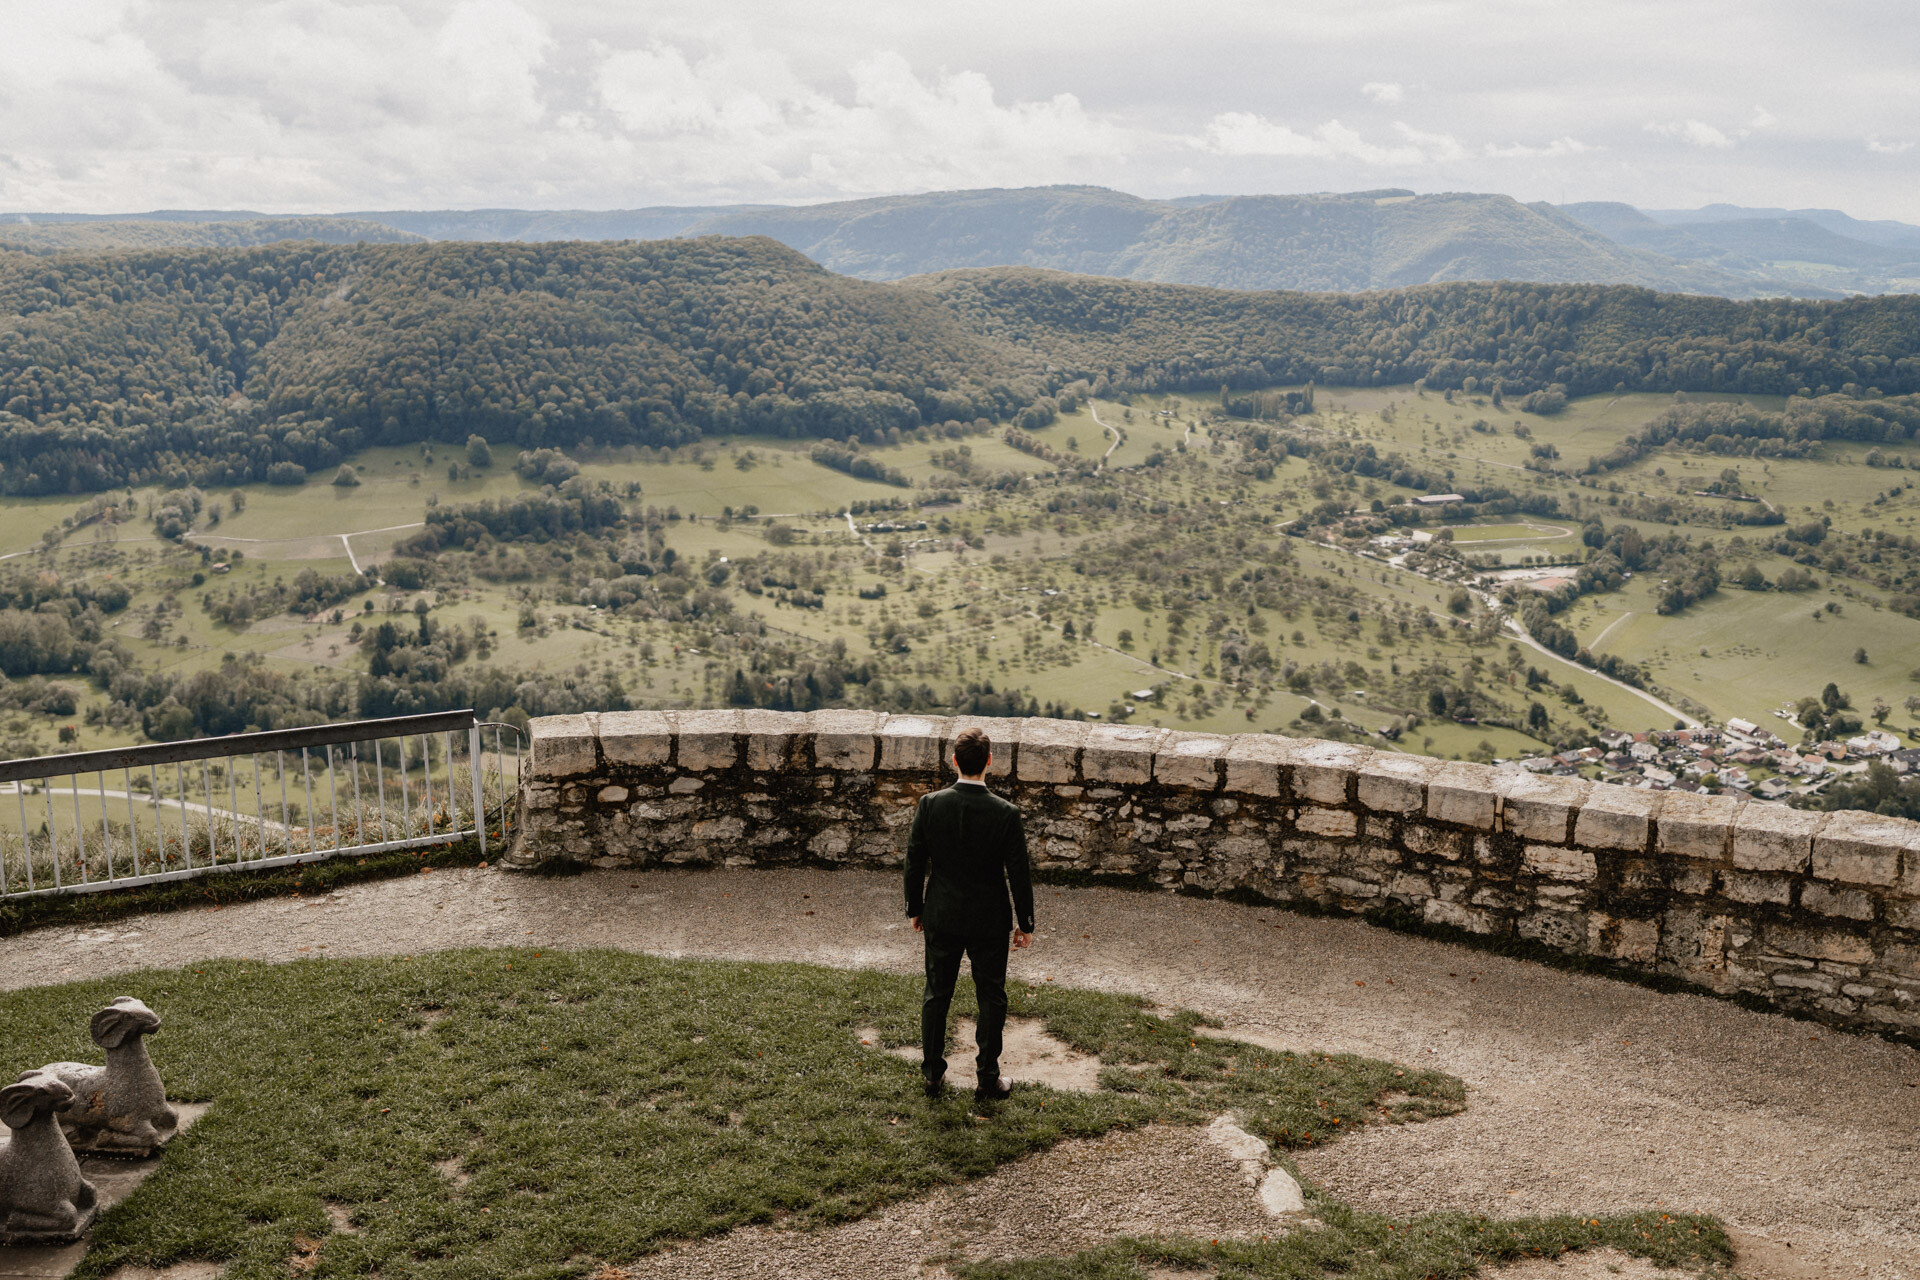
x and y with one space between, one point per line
967 851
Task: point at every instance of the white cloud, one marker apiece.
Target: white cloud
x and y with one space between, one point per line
1695 132
290 105
745 116
1241 133
1544 151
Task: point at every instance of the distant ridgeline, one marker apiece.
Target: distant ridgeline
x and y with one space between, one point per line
219 366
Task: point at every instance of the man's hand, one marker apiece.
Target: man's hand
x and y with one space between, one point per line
916 924
1021 941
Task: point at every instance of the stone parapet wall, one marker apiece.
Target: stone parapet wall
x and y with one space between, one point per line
1817 913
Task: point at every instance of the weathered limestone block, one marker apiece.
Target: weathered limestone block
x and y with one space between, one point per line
1617 818
1254 764
1414 888
773 739
708 739
120 1107
1559 863
845 740
43 1198
1393 783
1049 750
1865 848
1190 761
634 739
1818 944
561 747
1697 826
1434 842
1695 941
1120 753
1004 735
1853 904
1754 889
1771 838
1562 930
1623 938
1536 806
1460 916
1333 823
1463 793
1323 771
913 744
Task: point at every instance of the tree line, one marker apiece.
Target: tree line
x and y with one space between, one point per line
197 367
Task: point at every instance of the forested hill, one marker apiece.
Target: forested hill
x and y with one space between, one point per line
218 366
1586 338
214 366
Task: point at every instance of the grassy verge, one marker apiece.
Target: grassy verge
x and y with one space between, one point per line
1366 1246
513 1113
227 886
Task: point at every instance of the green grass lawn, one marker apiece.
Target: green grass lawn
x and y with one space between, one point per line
605 1104
1369 1246
1744 653
519 1113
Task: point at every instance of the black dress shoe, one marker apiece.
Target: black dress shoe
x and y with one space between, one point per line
999 1091
936 1086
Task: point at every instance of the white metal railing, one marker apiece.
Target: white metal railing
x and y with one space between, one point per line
252 801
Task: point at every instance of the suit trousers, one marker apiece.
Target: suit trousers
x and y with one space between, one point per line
987 957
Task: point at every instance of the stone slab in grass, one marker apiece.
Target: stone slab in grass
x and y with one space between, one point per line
1028 1055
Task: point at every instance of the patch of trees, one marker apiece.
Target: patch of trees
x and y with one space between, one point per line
1034 447
1878 790
960 463
578 506
1828 716
240 696
1746 431
541 466
1269 405
1561 640
848 458
52 628
309 593
30 591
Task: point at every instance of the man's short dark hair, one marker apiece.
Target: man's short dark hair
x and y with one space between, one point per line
971 750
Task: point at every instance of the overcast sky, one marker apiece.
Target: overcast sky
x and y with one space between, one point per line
330 105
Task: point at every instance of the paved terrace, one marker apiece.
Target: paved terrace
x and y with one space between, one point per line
1586 1094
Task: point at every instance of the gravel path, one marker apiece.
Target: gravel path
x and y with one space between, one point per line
1586 1094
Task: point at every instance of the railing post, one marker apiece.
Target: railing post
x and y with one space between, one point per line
475 761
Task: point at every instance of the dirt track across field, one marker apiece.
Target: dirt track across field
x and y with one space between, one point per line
1586 1095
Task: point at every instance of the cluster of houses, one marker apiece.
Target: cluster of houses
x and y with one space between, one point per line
1739 756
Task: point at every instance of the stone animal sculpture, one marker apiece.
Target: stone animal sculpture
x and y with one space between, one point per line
119 1109
43 1198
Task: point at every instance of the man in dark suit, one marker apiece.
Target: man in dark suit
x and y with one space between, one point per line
966 853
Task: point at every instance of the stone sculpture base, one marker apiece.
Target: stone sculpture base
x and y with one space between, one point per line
114 1177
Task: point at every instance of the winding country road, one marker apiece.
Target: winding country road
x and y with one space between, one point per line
1094 409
